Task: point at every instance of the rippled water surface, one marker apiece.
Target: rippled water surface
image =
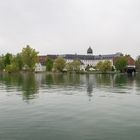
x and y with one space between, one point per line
69 107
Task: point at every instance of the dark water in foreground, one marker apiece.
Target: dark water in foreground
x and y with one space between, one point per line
69 107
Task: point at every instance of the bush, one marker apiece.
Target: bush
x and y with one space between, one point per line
59 64
11 68
104 66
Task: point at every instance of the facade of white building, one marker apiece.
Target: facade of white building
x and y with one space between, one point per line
86 60
39 67
89 59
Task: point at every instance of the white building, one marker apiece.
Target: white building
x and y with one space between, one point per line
90 59
40 68
86 60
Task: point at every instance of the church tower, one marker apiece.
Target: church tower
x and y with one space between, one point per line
89 51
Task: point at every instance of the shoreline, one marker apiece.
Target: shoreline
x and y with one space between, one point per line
46 72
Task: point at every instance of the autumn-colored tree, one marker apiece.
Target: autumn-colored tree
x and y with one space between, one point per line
59 64
76 65
104 66
73 66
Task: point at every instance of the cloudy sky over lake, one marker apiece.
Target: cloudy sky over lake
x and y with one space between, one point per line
70 26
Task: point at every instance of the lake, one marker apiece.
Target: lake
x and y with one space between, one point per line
69 107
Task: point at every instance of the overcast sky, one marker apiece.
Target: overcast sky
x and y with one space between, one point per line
70 26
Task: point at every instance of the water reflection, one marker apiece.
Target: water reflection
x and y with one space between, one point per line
137 82
29 86
62 79
120 80
90 84
104 79
20 82
30 83
49 80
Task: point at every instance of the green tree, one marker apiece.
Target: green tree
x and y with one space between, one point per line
8 59
29 57
2 63
104 66
107 66
121 63
9 63
18 61
59 64
99 65
49 64
73 66
11 68
76 65
69 67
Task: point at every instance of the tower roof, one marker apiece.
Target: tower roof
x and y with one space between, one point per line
89 51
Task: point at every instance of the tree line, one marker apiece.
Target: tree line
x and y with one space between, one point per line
28 58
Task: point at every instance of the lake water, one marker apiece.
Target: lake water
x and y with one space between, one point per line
69 107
